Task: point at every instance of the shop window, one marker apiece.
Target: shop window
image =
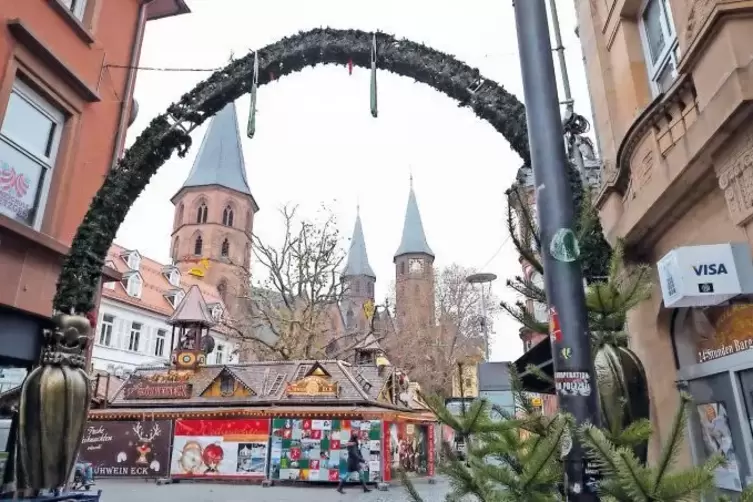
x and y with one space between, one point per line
659 44
29 140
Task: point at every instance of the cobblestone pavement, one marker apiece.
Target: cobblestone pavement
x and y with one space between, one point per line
140 491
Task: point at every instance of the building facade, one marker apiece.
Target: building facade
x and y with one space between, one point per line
670 88
61 129
132 325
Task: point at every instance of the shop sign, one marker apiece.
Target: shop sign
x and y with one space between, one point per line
725 331
127 449
572 383
144 389
701 276
312 386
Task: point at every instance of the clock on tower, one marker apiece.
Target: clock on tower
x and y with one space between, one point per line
415 265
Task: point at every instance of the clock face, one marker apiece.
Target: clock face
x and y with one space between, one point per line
415 265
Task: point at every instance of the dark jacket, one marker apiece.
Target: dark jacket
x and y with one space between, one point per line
354 456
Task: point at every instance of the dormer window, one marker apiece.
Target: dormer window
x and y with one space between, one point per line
132 259
111 284
174 278
175 296
216 311
133 285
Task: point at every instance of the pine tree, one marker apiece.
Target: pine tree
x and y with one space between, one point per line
613 288
514 458
517 458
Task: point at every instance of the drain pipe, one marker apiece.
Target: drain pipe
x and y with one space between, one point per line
124 117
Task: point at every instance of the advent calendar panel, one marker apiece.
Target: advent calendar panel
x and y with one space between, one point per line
304 449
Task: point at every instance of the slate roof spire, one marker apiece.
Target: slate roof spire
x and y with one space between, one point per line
192 310
220 158
358 258
414 238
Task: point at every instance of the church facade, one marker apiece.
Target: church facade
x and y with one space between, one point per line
211 245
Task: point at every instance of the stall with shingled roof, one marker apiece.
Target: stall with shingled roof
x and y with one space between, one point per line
275 420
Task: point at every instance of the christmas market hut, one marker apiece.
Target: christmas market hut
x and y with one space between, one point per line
277 420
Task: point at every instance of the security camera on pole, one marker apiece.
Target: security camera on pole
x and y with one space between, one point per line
571 350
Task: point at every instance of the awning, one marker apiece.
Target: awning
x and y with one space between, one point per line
540 356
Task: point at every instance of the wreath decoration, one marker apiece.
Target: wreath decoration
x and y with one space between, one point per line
169 132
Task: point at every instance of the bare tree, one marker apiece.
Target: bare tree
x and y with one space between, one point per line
429 354
293 310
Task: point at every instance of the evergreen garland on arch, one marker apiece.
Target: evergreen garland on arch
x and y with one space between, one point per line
169 132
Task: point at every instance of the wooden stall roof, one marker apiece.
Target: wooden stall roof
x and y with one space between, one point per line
323 383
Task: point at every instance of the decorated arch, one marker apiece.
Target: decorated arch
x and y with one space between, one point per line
169 132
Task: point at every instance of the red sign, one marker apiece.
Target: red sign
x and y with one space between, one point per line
431 450
142 389
555 332
386 450
220 449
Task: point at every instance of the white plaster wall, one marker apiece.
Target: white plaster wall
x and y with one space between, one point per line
116 358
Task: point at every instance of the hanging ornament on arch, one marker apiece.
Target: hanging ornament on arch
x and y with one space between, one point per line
374 111
251 128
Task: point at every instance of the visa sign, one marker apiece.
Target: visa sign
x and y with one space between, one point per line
710 269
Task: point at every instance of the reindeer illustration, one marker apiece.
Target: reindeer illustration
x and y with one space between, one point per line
144 445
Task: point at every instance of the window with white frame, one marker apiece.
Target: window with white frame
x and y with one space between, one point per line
659 44
219 353
159 343
75 7
177 298
135 336
217 312
105 330
174 278
29 140
134 261
110 284
135 285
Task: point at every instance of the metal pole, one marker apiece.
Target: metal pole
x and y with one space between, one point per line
486 327
571 348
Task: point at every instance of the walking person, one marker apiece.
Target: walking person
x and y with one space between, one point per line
355 463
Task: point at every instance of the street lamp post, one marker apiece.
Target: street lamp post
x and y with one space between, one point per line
568 324
483 278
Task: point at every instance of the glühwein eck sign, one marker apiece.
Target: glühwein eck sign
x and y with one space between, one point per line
143 389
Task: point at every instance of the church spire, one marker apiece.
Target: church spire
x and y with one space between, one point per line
358 258
414 239
220 158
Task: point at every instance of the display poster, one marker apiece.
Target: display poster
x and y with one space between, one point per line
717 438
127 449
220 448
305 449
410 447
387 451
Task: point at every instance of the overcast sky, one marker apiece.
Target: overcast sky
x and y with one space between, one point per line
316 141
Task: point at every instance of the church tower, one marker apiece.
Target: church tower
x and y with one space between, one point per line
214 211
358 278
414 272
